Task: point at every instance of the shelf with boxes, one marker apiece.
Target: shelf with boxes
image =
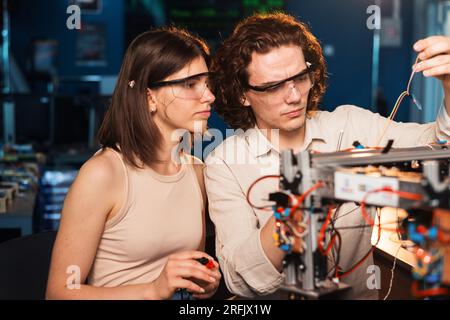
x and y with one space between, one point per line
20 170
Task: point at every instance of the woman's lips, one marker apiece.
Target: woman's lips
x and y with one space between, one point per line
205 113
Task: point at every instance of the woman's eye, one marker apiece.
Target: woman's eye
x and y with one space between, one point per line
189 84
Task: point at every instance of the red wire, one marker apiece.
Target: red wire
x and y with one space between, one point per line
304 195
251 187
428 292
442 239
371 222
402 194
407 195
322 234
360 262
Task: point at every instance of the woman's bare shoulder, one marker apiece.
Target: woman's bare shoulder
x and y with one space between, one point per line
104 168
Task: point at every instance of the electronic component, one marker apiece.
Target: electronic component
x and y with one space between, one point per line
311 184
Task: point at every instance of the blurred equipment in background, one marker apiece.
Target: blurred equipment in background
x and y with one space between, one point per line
91 45
53 187
391 30
8 104
43 57
214 20
89 6
20 168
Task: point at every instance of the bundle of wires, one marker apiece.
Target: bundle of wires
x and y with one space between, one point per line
397 105
287 225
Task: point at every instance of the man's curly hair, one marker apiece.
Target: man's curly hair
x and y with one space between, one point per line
260 33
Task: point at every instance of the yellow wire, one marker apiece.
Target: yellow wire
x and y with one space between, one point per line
391 116
396 106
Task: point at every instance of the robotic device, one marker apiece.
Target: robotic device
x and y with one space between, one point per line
313 184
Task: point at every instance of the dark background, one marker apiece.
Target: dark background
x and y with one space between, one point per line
340 25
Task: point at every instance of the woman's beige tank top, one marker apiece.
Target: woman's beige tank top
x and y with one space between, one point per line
160 216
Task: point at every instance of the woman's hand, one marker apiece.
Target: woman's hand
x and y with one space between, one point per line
434 56
182 271
210 288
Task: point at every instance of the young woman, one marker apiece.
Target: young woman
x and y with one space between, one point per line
133 225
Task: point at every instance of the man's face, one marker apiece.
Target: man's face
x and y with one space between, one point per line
282 108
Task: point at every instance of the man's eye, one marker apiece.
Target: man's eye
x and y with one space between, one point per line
274 88
303 78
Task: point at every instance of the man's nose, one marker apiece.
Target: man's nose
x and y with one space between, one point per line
293 94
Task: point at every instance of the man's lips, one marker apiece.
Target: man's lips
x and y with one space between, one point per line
294 113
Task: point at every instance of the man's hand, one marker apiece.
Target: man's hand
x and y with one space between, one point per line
434 59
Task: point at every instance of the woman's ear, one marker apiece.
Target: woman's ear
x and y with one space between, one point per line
151 100
245 101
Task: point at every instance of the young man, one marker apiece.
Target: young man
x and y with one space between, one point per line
270 74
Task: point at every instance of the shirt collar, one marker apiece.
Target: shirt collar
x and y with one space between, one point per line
260 145
314 130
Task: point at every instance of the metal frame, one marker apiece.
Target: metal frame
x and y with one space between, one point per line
313 167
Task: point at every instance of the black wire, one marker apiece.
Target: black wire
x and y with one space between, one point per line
332 221
368 225
347 213
442 229
364 257
338 256
400 238
398 226
361 226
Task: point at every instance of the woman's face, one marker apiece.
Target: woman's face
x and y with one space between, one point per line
184 102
